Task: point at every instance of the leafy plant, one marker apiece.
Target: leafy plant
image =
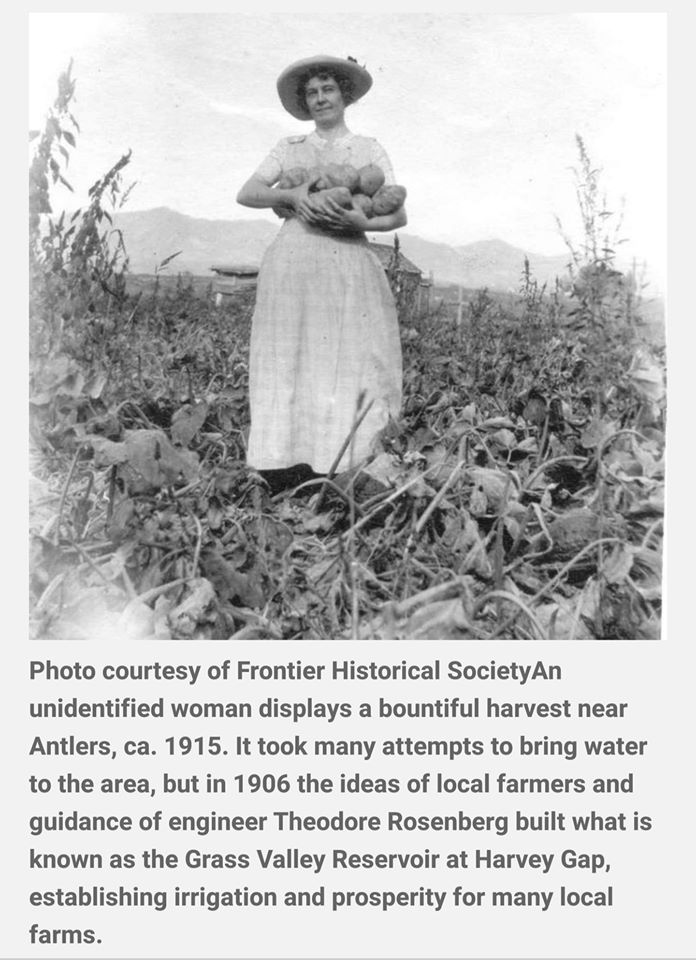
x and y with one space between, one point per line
78 262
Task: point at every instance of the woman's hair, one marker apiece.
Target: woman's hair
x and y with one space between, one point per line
344 83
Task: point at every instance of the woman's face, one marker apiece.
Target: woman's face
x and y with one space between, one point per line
324 101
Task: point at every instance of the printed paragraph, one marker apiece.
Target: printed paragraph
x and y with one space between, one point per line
324 785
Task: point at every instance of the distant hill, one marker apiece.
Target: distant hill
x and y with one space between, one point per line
487 263
153 235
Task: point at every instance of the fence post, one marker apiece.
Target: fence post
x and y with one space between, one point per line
460 305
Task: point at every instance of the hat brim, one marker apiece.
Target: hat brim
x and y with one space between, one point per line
287 81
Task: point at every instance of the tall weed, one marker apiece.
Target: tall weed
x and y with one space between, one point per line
78 261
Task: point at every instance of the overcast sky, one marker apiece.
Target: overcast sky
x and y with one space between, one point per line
478 112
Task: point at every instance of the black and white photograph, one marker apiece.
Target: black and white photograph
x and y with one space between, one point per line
347 328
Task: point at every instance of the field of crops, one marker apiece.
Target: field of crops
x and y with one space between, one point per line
519 495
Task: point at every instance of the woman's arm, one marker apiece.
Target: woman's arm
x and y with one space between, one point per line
335 217
255 193
258 195
388 221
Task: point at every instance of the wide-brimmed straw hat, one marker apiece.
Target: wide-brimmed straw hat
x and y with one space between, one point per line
287 81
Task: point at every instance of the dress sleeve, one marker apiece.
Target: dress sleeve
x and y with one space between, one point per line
271 168
379 158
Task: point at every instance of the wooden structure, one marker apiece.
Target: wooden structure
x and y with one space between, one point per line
411 284
231 277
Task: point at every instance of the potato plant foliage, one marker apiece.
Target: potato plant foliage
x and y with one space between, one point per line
519 495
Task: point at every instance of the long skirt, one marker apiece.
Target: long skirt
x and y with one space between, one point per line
324 343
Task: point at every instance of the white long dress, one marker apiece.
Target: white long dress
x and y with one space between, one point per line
324 331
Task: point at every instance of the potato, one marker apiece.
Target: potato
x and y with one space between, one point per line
317 179
388 200
292 178
370 179
362 202
297 175
342 175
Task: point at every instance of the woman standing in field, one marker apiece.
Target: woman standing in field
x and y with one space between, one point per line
325 339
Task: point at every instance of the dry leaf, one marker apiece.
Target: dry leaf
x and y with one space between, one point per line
617 566
197 607
145 459
187 421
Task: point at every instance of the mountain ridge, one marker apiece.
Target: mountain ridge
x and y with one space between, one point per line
151 236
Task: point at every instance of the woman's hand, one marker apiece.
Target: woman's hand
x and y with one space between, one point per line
305 206
324 212
344 220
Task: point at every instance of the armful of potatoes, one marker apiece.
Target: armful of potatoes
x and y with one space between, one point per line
361 190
